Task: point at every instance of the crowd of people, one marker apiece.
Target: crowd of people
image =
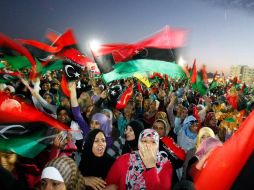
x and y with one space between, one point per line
161 139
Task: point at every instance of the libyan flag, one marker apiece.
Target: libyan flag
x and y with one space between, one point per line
128 69
25 131
21 62
162 46
25 139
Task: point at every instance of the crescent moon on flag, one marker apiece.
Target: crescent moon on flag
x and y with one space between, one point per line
66 70
7 77
144 53
2 131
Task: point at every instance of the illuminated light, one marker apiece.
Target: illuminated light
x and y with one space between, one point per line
94 45
181 61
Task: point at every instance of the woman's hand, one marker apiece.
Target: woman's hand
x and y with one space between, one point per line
59 141
95 182
148 156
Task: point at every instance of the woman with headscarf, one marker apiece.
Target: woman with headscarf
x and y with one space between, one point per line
95 163
145 168
174 153
129 142
204 132
62 174
201 155
101 121
187 136
109 114
125 117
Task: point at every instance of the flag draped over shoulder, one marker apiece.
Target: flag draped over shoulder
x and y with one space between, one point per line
160 48
229 159
25 130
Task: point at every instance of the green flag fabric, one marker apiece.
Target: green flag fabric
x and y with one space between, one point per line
21 62
127 69
28 145
199 85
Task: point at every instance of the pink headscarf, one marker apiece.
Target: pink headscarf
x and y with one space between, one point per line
206 146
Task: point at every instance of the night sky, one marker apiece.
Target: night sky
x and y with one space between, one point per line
221 32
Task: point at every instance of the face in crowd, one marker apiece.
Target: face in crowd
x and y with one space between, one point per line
50 184
99 145
194 127
48 98
129 133
63 116
160 127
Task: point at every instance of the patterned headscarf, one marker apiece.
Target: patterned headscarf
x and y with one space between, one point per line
68 169
134 178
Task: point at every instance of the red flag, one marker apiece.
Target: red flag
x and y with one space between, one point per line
64 86
122 102
65 40
194 73
225 163
27 113
76 56
195 114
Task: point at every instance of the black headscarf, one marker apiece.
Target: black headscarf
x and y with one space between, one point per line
90 165
137 126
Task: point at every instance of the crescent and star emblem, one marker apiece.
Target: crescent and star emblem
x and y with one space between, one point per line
66 68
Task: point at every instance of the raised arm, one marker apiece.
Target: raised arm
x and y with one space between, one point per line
76 109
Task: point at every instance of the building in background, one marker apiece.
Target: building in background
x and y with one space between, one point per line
243 72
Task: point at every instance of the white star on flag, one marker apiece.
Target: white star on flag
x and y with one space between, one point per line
113 92
76 74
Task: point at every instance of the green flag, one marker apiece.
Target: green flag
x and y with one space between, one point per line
127 69
200 85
